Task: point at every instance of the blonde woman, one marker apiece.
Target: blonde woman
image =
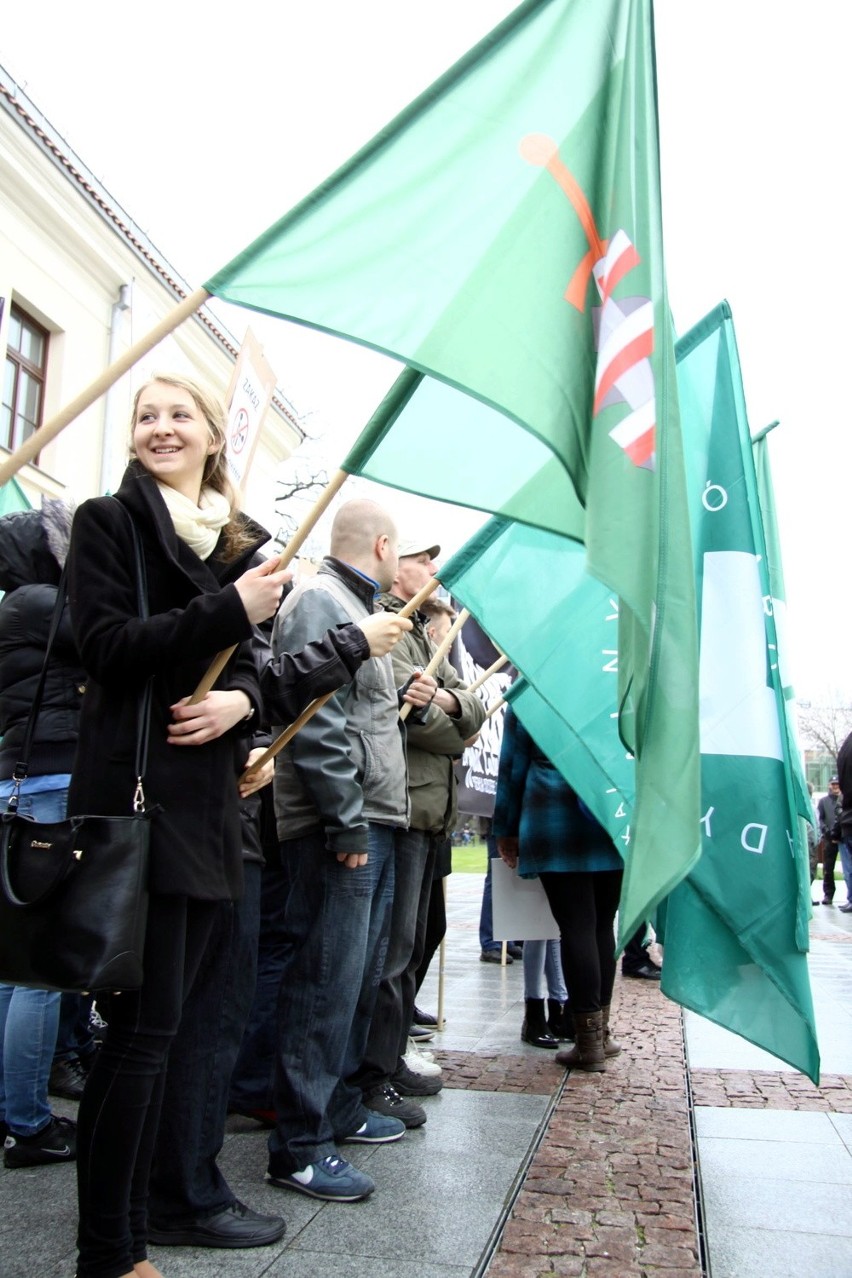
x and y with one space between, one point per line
203 597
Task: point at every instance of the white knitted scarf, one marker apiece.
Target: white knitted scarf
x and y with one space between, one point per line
199 526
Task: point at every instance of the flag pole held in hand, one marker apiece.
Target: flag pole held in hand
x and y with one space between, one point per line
217 665
440 652
287 735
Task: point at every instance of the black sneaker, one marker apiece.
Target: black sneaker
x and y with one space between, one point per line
55 1143
407 1083
387 1100
67 1078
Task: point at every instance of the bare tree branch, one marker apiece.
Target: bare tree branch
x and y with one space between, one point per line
294 494
825 727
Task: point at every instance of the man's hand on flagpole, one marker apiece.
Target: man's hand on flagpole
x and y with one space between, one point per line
248 784
383 630
421 690
260 590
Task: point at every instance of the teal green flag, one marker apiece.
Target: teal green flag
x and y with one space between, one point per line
12 498
735 930
502 237
565 640
778 604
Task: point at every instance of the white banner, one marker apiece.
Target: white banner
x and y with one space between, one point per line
252 387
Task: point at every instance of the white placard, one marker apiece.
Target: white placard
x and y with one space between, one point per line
519 907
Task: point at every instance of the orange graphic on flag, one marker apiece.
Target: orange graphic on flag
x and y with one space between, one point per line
625 338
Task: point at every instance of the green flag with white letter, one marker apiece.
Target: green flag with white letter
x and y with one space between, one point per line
734 929
502 237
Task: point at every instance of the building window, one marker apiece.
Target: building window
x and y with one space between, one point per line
23 379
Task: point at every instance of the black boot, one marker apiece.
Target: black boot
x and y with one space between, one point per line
534 1029
559 1021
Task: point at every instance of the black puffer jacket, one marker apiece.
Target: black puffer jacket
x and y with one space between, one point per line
33 545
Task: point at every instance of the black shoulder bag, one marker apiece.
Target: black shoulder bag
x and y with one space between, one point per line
74 893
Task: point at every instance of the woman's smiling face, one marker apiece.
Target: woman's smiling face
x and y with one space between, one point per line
172 438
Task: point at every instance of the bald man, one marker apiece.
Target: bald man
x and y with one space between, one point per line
340 802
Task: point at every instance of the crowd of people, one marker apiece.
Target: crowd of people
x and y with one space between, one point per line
295 904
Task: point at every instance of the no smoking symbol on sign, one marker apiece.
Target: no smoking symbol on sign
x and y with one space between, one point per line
239 434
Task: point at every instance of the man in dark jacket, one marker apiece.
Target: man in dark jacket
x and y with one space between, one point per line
434 740
843 824
340 804
828 810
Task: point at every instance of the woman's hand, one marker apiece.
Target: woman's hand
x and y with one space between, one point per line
260 590
258 779
214 715
383 630
507 846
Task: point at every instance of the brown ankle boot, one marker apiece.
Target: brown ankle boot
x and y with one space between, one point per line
587 1052
610 1046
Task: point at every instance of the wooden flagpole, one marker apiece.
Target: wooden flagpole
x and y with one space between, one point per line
442 955
440 652
32 447
320 506
486 674
494 707
287 735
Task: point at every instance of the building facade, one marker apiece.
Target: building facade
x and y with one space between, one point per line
80 284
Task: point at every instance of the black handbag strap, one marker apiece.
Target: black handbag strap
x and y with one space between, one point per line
143 723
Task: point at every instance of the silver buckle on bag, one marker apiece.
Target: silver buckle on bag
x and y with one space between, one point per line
139 797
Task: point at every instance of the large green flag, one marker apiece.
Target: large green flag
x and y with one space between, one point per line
777 605
565 639
503 238
735 929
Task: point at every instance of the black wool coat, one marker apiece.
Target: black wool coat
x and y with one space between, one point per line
196 612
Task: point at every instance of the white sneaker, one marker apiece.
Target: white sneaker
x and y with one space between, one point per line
421 1062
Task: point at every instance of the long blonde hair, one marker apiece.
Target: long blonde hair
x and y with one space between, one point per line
236 538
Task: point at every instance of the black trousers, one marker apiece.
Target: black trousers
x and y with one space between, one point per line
120 1109
584 906
635 955
829 860
436 929
186 1182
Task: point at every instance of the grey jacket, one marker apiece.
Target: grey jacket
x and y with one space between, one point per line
346 767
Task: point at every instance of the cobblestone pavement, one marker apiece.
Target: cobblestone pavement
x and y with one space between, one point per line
610 1190
762 1089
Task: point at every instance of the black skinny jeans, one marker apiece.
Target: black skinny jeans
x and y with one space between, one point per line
120 1109
584 906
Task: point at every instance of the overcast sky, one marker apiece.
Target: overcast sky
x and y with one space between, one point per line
207 123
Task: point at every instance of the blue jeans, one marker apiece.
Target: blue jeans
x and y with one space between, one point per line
486 918
336 923
845 850
186 1182
543 971
75 1040
414 864
29 1019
